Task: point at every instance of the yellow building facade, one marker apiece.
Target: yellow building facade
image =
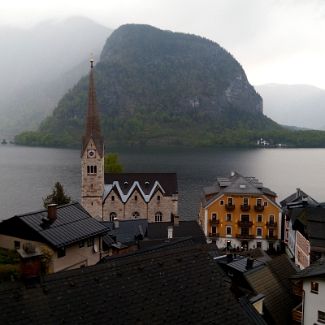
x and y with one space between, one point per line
239 212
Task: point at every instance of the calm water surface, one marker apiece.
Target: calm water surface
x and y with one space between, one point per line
28 174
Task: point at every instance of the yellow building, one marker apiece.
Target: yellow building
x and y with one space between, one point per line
239 211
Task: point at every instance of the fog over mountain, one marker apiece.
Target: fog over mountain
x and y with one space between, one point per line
295 105
40 64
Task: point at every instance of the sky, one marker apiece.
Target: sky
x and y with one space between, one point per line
276 41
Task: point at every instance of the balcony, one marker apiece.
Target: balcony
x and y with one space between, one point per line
245 224
297 313
245 207
230 207
259 208
271 224
240 236
213 235
214 222
273 237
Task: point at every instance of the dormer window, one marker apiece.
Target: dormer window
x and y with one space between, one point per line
146 183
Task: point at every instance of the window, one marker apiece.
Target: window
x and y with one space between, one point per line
222 202
61 252
158 197
158 217
135 197
259 244
229 200
16 244
314 287
112 216
259 231
228 217
259 202
90 242
228 230
91 170
214 230
271 234
135 215
81 244
271 219
245 200
214 216
259 218
113 198
321 316
265 204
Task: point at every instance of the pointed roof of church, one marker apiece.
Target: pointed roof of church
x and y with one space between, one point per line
93 130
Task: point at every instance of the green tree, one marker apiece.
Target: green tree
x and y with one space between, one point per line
57 196
111 164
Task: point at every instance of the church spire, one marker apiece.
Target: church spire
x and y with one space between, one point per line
92 120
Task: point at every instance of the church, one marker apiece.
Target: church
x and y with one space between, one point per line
122 196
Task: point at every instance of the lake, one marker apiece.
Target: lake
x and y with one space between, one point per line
28 174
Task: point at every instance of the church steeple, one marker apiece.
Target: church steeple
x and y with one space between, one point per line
93 130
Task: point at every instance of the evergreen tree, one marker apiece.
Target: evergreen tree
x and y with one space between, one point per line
57 196
111 164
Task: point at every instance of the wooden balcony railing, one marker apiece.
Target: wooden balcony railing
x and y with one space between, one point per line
230 207
271 224
297 313
245 207
245 224
259 208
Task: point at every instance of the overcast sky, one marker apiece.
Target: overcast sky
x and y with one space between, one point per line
276 41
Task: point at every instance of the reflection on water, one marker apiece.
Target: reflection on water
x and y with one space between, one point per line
28 174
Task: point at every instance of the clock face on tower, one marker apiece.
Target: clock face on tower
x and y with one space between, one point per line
91 153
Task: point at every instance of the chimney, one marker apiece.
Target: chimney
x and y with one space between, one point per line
229 258
249 263
170 232
116 223
52 212
176 221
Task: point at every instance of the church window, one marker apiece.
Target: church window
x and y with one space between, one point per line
135 215
135 197
158 197
95 169
113 198
158 217
112 216
91 186
91 170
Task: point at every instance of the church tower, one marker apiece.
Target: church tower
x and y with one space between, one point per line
92 156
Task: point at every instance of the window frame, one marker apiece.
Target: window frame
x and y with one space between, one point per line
61 252
314 287
321 316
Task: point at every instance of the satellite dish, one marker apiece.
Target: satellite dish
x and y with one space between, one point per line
95 248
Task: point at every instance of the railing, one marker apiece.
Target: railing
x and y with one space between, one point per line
214 221
245 207
213 235
245 224
271 224
272 237
297 313
230 207
259 208
240 236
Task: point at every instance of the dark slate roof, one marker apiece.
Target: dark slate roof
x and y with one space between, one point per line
235 184
240 263
299 197
127 230
73 224
315 270
168 181
180 286
191 229
251 311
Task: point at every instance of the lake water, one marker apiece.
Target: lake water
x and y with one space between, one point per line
28 174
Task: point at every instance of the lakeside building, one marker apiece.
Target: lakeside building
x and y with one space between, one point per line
239 212
309 286
152 196
67 234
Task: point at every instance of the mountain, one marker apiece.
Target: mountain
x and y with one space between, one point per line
40 65
299 105
158 87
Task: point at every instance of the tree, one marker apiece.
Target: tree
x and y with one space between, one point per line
111 164
57 196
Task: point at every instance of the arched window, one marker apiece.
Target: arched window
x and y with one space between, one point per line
135 215
158 217
112 216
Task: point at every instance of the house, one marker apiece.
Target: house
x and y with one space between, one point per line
153 196
291 207
67 233
162 286
310 287
239 212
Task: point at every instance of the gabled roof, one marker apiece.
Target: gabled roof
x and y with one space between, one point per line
73 224
236 184
179 286
315 270
299 198
145 183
